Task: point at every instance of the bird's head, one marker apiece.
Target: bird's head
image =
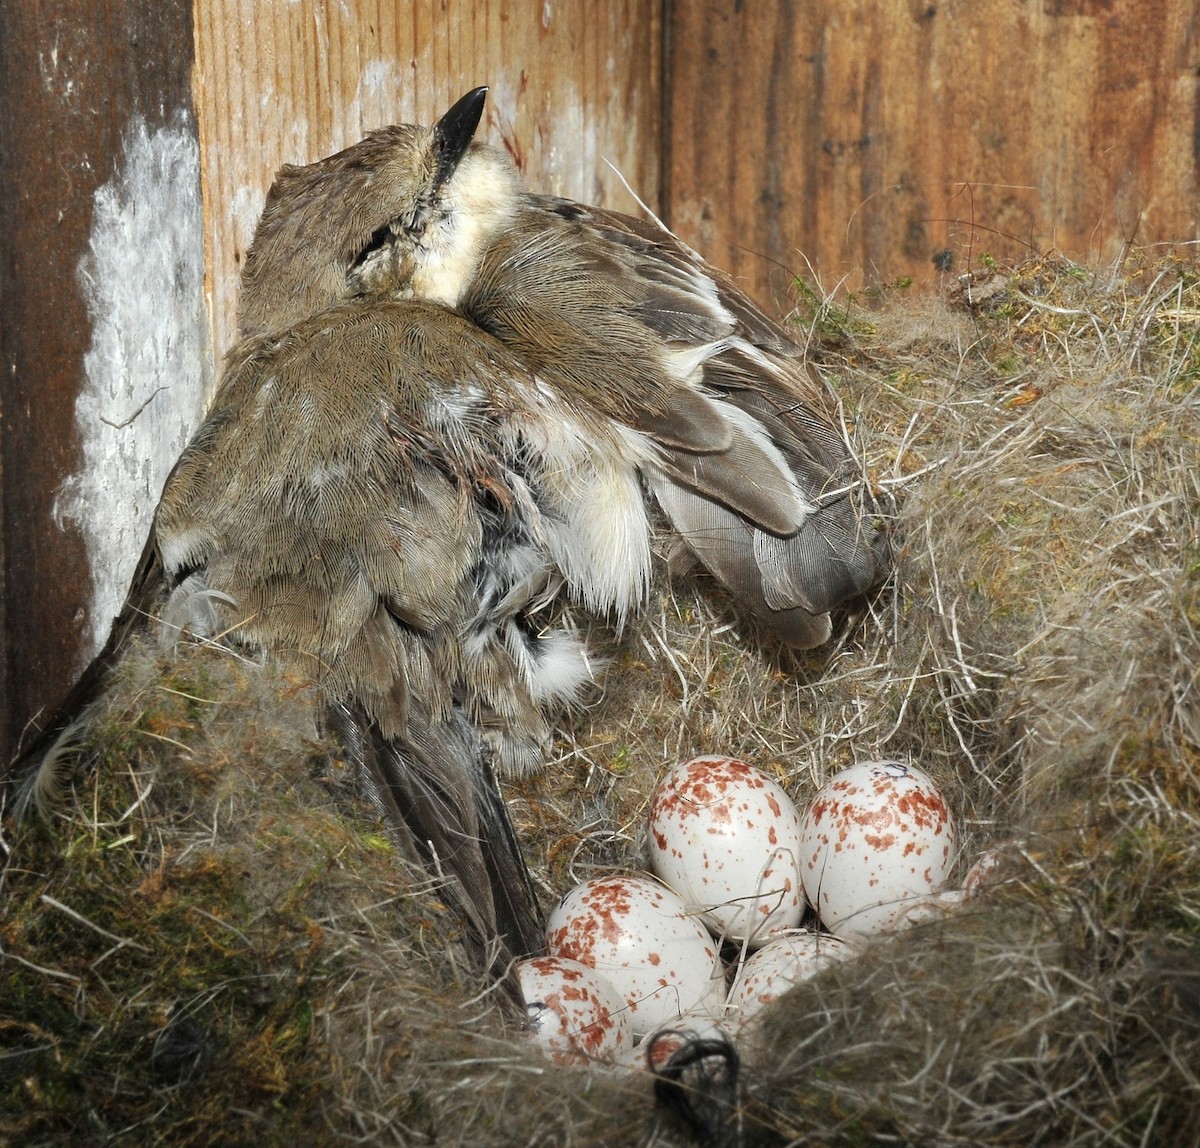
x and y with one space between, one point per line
404 213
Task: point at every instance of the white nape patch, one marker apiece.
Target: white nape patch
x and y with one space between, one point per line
478 200
145 371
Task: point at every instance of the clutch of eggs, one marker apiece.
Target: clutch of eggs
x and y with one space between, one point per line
877 836
726 838
870 853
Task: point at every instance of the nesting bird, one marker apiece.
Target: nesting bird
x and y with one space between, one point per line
653 370
450 397
347 507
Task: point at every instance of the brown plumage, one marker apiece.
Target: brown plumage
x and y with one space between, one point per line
349 508
345 507
744 455
652 367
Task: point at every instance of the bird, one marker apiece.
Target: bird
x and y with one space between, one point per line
349 508
452 402
654 373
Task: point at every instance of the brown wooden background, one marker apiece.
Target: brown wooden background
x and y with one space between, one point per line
850 142
868 138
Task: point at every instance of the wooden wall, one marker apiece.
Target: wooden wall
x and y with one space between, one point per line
862 140
74 77
866 140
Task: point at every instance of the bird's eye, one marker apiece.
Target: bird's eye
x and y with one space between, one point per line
379 239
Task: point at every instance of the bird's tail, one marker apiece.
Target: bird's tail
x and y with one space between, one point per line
34 773
436 789
789 583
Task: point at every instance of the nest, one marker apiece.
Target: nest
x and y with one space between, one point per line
209 945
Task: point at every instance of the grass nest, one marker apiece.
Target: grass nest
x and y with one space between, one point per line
208 945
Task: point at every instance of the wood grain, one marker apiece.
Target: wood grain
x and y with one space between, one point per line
74 75
872 139
571 85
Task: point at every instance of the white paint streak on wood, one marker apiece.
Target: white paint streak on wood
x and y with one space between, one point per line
148 363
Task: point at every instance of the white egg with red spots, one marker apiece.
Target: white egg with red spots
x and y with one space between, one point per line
574 1013
875 836
726 838
928 910
658 1047
639 936
767 974
996 867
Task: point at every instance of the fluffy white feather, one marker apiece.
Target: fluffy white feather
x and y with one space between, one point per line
480 198
593 517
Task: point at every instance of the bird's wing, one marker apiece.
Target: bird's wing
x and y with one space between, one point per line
335 503
633 332
664 258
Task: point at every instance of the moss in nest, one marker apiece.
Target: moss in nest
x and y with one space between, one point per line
204 947
242 956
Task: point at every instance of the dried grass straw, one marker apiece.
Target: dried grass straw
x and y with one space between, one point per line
207 947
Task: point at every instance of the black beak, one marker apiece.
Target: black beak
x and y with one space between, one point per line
455 130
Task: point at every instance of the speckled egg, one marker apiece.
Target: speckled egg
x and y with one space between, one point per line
928 910
875 835
994 868
726 838
776 967
637 934
656 1050
574 1013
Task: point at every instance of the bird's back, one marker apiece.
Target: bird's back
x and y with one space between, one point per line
345 508
706 397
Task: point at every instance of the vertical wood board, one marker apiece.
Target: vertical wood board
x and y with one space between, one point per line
873 139
79 81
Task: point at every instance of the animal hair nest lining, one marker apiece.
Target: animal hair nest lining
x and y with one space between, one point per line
209 945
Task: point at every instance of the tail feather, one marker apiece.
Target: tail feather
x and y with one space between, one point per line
825 562
752 477
724 543
437 791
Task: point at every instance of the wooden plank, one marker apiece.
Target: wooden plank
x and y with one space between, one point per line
571 86
89 336
75 76
873 139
